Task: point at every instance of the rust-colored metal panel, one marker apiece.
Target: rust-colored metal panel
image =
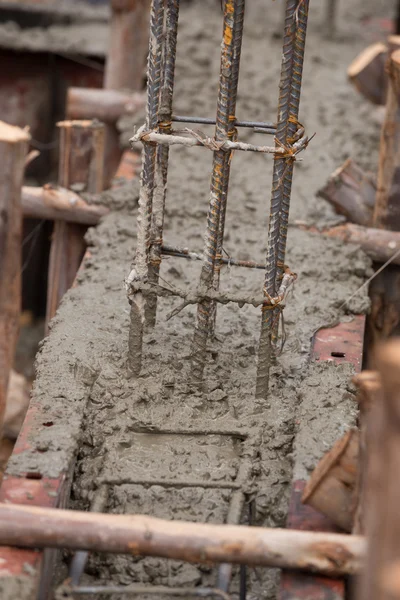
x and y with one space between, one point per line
343 343
295 585
29 564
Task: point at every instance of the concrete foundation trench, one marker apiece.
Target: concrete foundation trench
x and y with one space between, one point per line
157 445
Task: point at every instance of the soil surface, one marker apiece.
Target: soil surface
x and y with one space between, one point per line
165 448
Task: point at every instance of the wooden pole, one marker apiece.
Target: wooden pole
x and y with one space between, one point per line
35 527
125 65
59 204
385 288
369 388
13 150
383 493
129 42
81 165
387 212
105 105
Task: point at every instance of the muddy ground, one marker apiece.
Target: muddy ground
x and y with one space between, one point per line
170 450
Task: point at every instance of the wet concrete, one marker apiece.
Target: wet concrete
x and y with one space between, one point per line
166 448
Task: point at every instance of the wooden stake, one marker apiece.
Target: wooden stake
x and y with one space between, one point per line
367 73
352 192
331 488
129 42
13 150
34 527
59 204
385 288
369 394
81 166
383 493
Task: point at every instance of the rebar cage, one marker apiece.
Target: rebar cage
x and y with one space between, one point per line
157 135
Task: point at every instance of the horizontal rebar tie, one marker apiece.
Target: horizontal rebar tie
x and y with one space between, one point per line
177 252
257 126
201 293
199 139
176 483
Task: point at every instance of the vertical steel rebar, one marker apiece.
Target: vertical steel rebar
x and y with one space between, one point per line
154 71
236 506
232 134
330 17
227 92
294 105
281 186
165 126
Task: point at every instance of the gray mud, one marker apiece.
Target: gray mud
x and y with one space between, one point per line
151 433
89 39
75 28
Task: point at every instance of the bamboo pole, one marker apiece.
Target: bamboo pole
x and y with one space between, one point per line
13 150
383 493
59 204
34 527
81 165
105 105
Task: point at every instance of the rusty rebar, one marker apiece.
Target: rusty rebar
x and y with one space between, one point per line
67 590
144 221
271 314
165 127
299 43
236 506
331 18
237 36
80 557
257 126
293 125
226 104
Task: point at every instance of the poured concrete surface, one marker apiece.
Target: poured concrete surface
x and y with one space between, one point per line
157 435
